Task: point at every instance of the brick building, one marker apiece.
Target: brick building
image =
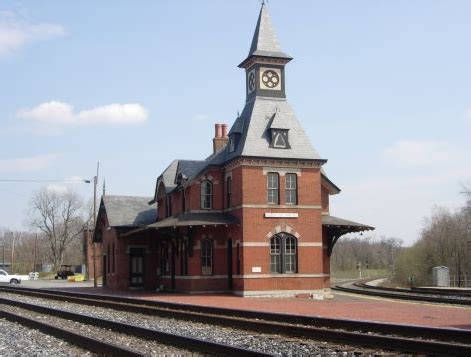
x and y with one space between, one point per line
252 218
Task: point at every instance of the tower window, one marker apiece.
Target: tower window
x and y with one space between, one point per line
291 189
206 194
273 188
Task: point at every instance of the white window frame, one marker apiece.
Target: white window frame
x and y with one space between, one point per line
206 198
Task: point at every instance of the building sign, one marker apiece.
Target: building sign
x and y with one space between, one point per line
280 215
256 269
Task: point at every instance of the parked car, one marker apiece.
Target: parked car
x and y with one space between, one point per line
7 278
64 272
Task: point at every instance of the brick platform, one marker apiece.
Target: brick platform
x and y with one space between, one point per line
343 306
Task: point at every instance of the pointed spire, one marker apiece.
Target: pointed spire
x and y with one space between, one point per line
264 42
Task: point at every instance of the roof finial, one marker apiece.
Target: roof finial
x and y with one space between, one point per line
104 188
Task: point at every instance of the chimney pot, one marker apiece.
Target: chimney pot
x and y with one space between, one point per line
217 130
224 130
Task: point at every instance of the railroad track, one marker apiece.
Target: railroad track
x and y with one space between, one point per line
191 345
425 295
402 338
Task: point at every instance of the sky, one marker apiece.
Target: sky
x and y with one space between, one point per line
382 88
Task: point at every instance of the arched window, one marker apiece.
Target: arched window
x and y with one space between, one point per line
283 254
206 194
206 257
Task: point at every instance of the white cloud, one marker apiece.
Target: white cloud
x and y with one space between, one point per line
16 32
60 113
69 184
60 189
420 153
201 117
27 164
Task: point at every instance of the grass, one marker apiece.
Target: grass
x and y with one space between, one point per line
354 274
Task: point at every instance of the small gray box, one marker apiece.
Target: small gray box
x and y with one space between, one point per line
441 276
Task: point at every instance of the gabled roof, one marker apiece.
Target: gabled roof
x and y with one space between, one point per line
255 140
332 187
265 42
128 211
188 168
168 176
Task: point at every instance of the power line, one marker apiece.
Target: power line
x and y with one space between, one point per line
18 180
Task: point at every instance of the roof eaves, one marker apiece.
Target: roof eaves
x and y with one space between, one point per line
333 188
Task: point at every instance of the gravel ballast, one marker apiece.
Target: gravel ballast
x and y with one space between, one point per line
16 339
268 343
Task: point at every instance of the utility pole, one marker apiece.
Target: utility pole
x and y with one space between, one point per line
12 250
95 182
34 253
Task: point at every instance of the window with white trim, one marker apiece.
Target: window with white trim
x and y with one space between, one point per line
206 194
206 257
273 188
283 254
291 189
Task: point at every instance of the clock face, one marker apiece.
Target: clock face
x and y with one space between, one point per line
251 81
270 78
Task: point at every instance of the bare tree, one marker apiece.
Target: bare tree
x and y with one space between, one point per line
444 241
59 216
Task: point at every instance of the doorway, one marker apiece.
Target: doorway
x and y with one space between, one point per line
229 264
136 273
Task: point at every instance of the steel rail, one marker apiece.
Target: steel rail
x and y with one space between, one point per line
292 325
401 294
447 291
192 344
227 316
87 343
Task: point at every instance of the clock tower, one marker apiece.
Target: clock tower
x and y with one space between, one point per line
265 64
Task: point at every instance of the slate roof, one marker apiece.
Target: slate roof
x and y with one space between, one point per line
129 211
189 167
278 122
168 177
255 139
264 42
196 219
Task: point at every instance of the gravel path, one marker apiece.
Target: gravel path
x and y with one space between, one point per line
270 343
17 340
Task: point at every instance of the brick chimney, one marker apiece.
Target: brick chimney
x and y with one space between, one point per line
220 137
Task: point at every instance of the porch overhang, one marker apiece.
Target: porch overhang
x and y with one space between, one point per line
191 219
336 227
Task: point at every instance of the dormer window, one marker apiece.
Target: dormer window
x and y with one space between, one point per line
279 139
